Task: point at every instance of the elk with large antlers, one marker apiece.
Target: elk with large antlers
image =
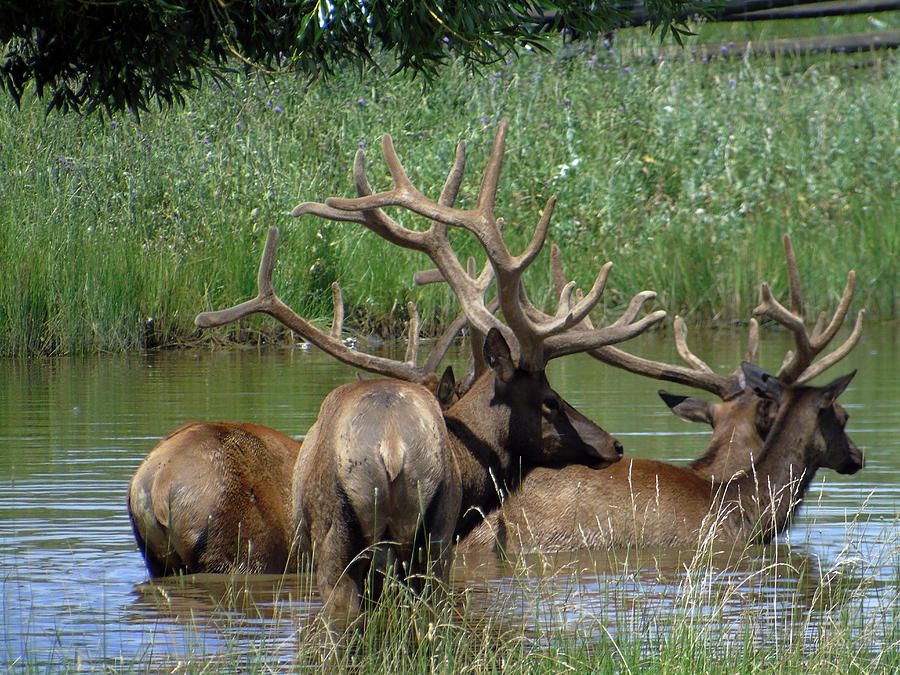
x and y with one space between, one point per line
381 462
771 435
216 496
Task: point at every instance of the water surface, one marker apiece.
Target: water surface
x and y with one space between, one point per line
75 590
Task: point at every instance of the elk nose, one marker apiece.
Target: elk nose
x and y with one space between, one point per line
619 448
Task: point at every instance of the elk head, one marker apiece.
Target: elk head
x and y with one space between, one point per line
743 418
829 447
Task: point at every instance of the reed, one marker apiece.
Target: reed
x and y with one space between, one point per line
685 174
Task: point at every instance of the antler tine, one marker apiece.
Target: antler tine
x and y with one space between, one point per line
829 360
412 349
337 323
798 366
442 345
793 276
267 302
477 364
699 375
820 337
752 344
683 351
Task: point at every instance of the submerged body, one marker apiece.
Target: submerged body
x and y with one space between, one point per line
215 497
376 469
649 503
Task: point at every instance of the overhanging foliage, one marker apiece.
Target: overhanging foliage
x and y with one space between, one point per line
119 54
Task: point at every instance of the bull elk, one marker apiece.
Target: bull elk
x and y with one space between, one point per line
383 472
771 435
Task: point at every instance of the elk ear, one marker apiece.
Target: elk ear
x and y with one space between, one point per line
763 384
688 408
446 391
497 355
831 391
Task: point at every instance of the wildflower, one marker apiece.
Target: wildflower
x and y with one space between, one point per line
239 125
361 101
362 144
484 120
113 123
206 141
446 41
277 108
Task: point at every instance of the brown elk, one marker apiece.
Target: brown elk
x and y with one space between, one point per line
772 435
215 497
382 464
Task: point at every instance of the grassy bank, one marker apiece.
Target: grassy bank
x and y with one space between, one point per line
115 233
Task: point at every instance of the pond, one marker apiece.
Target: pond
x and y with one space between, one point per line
76 594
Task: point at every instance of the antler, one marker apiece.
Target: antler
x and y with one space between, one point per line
798 367
267 302
698 375
477 363
539 337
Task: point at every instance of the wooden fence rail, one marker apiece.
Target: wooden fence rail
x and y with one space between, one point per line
635 14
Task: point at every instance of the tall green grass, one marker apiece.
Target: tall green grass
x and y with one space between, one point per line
115 233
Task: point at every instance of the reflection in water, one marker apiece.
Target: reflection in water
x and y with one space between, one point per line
74 590
202 616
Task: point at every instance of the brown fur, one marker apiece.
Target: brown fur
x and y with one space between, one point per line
215 497
383 464
740 425
649 503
